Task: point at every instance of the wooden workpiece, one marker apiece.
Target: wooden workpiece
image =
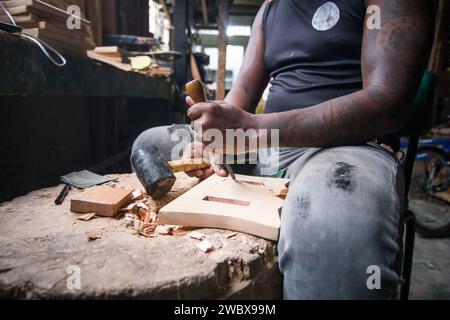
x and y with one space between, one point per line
245 205
40 243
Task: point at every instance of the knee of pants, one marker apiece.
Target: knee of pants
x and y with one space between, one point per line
341 218
170 140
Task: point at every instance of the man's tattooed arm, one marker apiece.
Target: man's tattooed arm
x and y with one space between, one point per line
393 62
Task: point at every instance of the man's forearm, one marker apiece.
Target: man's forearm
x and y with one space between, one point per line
347 120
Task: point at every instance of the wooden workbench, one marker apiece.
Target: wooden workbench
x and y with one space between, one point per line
41 242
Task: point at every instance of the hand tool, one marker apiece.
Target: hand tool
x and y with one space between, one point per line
81 180
196 91
156 173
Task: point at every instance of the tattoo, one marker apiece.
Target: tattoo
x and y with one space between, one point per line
393 61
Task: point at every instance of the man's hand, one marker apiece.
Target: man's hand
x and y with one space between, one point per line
219 115
198 150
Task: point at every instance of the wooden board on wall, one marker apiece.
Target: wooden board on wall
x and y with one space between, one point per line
109 14
247 205
94 14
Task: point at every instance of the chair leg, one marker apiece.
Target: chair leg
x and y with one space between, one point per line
410 226
410 160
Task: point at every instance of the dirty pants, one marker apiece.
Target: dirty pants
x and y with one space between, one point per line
341 224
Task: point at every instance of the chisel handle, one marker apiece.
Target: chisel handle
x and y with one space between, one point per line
196 91
188 165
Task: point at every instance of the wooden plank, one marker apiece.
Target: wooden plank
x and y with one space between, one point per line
109 14
16 3
94 14
16 10
246 206
45 10
167 13
102 200
114 61
222 21
99 80
205 12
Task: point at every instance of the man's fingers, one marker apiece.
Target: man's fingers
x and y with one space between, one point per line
189 101
197 110
196 173
219 169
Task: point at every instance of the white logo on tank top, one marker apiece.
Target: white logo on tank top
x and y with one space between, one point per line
326 17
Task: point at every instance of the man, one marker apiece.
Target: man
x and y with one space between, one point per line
338 84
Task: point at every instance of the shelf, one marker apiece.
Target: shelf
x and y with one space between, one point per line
26 71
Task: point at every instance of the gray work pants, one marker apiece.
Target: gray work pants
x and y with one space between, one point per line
341 224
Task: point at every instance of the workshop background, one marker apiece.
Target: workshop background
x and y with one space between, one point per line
126 69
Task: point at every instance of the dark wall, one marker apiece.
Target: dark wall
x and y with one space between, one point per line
42 138
126 17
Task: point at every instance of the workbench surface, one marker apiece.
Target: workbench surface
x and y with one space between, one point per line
41 245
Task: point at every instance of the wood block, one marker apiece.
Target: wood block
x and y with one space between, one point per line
246 206
102 200
16 3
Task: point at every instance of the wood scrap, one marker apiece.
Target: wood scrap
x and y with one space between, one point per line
132 221
164 230
205 246
197 235
148 216
129 208
87 217
113 61
92 235
281 192
148 230
103 200
231 235
137 195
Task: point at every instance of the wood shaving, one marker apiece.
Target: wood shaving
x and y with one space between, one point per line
129 208
205 246
231 235
87 217
281 193
137 194
92 235
132 221
197 235
148 230
142 206
164 230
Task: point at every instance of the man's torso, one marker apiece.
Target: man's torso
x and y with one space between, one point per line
312 51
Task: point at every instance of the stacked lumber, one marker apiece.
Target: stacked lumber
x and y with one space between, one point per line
127 61
47 21
112 55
